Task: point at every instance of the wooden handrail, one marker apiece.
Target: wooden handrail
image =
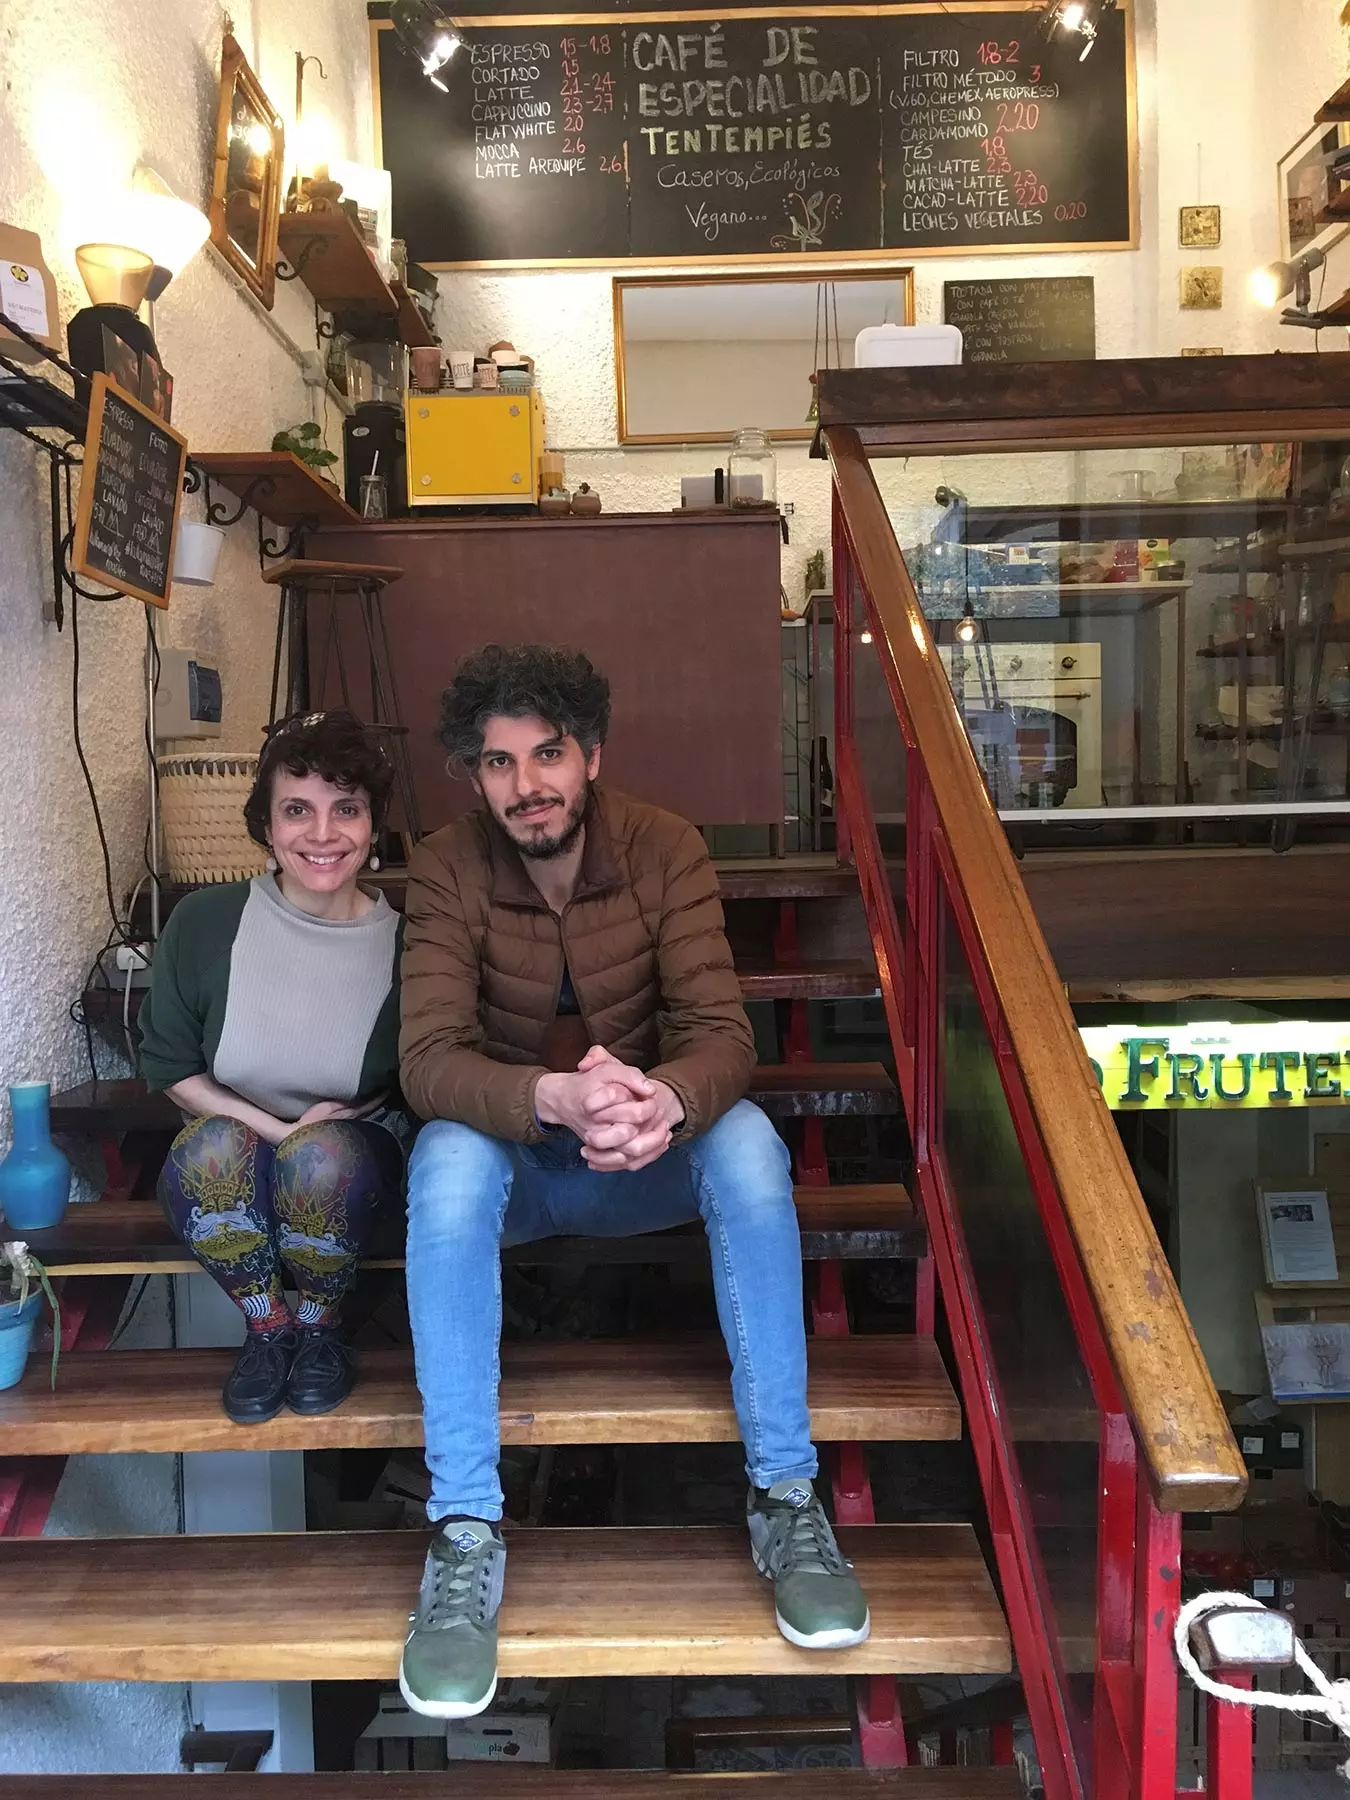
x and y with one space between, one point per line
1190 1452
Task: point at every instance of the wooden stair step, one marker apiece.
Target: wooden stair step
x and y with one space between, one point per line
132 1237
608 1391
784 1090
578 1602
821 979
823 1090
501 1782
808 875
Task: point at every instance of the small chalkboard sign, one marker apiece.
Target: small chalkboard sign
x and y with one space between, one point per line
131 487
1050 318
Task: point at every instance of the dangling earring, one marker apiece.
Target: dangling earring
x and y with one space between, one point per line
271 865
374 862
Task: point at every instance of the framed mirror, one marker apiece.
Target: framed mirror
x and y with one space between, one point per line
246 186
699 357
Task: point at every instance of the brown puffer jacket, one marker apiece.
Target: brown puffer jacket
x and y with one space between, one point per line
644 944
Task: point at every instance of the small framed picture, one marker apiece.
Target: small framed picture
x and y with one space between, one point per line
1204 350
1201 227
1201 290
156 387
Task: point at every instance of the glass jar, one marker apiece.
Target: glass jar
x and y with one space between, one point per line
752 470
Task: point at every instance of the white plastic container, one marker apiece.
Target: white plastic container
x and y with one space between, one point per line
196 553
906 346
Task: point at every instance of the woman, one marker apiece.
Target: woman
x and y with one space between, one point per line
272 1021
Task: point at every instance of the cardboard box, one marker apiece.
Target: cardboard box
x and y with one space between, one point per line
500 1736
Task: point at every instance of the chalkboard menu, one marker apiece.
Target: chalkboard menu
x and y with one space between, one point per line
1050 319
131 485
697 136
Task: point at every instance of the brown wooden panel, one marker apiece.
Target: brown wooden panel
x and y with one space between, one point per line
497 1782
1113 918
615 1391
648 599
605 1602
824 980
1123 388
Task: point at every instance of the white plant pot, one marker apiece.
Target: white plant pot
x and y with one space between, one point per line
196 553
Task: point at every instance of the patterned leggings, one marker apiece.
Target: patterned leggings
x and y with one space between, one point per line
247 1211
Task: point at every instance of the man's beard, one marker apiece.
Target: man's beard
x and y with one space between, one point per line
545 848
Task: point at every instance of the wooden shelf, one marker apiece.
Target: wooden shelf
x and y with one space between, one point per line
1324 724
1166 516
1093 599
331 258
1337 108
278 486
1337 631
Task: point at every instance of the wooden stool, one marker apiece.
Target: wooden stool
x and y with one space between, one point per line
298 579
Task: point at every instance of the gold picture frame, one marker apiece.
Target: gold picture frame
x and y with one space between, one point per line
1202 289
1201 227
247 178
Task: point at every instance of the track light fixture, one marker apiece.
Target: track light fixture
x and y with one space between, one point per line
1079 18
1269 285
424 35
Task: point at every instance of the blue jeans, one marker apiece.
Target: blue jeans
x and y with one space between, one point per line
469 1194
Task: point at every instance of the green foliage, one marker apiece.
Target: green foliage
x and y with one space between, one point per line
306 442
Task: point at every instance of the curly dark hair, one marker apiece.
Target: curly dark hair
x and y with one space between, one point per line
335 745
561 687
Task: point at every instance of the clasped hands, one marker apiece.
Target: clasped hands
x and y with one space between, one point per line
624 1120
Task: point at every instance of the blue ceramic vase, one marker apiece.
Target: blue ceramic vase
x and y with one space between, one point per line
34 1177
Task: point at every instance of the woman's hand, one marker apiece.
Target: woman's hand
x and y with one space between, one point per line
323 1110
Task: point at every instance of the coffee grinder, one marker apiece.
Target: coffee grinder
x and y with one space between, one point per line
373 437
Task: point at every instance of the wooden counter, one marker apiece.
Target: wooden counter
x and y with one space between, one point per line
680 610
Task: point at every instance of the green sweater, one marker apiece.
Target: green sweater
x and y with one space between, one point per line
280 1007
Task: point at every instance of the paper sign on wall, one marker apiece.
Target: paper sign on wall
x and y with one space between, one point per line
23 297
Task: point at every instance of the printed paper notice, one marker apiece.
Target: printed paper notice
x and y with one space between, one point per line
1298 1238
23 297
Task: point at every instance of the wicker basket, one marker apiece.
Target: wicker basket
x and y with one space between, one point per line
202 807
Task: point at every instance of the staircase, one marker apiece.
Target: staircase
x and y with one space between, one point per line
599 1601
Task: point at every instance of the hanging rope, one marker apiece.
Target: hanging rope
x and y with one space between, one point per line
1332 1700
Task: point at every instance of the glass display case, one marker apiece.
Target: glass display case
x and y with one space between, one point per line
1120 640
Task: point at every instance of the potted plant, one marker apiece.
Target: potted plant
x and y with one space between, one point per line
23 1282
306 442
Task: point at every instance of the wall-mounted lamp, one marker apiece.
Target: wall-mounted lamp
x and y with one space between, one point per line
1081 18
152 235
421 32
1268 286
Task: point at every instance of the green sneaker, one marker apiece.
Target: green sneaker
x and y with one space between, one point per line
449 1666
817 1599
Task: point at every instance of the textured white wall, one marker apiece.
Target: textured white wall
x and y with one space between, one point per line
89 87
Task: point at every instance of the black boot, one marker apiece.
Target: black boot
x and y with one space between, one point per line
255 1390
323 1373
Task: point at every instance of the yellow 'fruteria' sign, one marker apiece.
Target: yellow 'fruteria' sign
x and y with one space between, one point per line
1180 1067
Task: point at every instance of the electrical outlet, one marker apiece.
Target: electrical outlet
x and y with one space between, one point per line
133 956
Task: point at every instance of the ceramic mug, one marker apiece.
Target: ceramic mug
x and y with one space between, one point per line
426 367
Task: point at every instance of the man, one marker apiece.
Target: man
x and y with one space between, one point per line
573 1031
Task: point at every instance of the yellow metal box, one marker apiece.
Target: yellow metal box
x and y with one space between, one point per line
474 449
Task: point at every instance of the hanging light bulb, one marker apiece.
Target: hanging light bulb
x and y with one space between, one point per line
423 34
1080 18
966 630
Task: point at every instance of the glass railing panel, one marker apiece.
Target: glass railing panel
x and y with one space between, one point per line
1052 1421
1129 633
